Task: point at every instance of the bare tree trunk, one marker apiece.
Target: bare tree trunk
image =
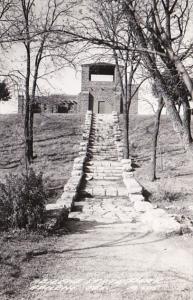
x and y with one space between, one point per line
27 109
26 131
126 134
155 73
31 112
181 70
31 133
186 120
124 99
155 138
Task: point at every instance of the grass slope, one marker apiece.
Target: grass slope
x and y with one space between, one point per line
56 143
173 190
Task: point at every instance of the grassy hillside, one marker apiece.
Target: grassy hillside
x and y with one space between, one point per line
174 189
56 143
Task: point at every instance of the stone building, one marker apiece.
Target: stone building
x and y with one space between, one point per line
52 104
100 92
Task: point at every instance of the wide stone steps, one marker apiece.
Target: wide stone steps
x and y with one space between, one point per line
99 191
103 171
104 177
82 206
103 151
104 157
104 154
104 163
102 147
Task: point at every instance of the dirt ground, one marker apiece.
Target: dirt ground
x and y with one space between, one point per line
110 255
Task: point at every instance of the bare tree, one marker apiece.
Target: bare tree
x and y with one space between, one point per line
33 25
146 38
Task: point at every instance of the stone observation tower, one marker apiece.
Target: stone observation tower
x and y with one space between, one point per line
101 91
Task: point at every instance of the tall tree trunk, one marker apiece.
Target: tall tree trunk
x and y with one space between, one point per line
31 133
27 108
155 138
186 119
151 66
31 111
181 70
124 99
126 133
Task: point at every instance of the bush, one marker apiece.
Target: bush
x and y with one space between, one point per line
22 201
165 194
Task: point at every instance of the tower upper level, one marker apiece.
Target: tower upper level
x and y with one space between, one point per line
99 75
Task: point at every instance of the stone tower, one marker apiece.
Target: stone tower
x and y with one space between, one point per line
100 89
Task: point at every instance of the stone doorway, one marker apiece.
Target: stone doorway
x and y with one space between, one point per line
101 107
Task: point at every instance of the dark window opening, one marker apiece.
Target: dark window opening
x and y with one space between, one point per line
36 108
62 109
101 73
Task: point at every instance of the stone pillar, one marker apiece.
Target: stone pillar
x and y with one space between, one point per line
42 108
55 108
117 102
85 77
49 108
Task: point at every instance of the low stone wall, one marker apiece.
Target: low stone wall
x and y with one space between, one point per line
157 220
64 204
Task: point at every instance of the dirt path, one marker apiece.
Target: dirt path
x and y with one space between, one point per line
111 255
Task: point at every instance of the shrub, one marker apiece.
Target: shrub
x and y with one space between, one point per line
22 200
165 194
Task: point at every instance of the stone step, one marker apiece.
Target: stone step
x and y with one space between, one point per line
103 163
100 191
110 149
106 177
78 206
104 173
102 158
102 139
96 168
104 154
103 147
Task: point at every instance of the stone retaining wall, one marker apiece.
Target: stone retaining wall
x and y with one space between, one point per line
63 205
158 220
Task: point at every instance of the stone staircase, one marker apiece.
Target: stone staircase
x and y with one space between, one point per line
102 145
103 171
